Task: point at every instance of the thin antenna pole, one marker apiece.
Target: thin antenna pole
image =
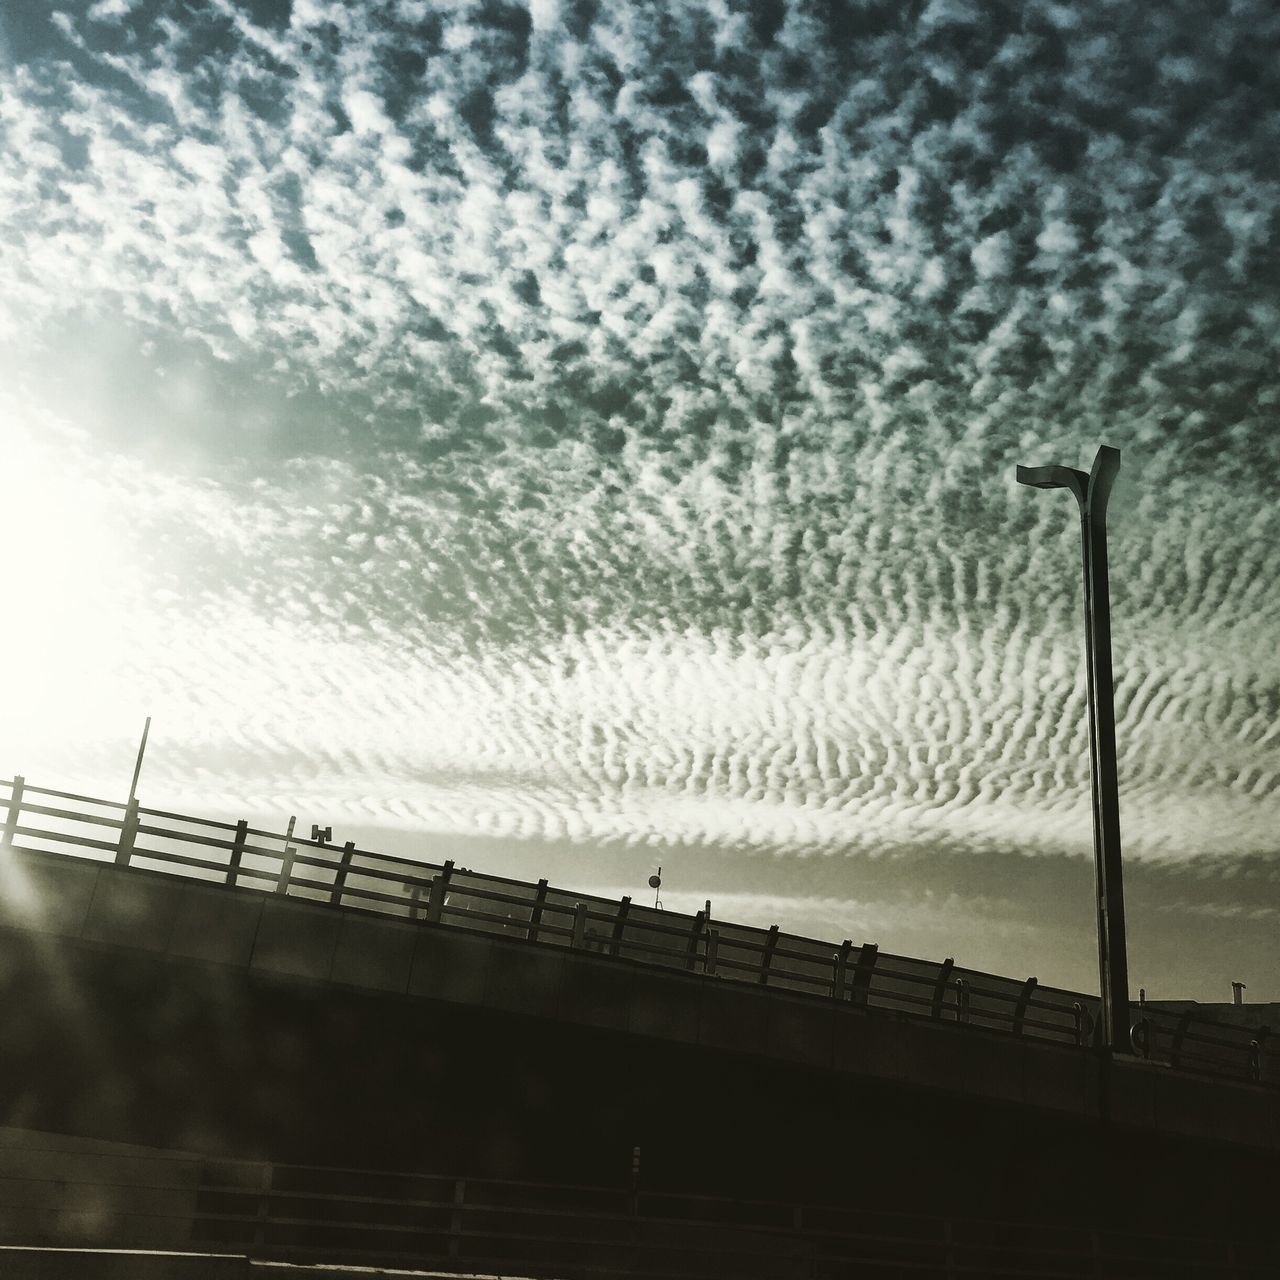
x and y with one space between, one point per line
137 768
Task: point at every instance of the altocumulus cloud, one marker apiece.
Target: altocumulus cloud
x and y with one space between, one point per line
597 422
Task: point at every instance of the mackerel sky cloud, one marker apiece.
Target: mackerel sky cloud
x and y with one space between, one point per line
582 437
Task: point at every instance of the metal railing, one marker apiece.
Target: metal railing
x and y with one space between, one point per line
42 820
300 1213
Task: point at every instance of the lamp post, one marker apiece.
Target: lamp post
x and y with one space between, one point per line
1091 493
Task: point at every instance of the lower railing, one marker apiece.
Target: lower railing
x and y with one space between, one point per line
53 1198
39 819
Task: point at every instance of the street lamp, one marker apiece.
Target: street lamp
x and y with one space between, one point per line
1091 494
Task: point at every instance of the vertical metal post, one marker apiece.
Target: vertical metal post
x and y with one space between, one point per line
15 808
455 1218
695 935
766 955
579 927
237 850
137 768
128 834
286 860
1020 1007
619 923
264 1206
340 876
863 968
439 893
535 915
940 985
840 964
1092 493
713 946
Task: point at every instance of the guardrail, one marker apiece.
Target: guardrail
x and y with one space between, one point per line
309 1214
236 854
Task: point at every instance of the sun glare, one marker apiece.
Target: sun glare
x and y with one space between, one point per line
66 615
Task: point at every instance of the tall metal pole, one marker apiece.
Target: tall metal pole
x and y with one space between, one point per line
137 768
1092 493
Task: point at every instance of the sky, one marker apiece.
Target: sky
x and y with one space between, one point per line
579 438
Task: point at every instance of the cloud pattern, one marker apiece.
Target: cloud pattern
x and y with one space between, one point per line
597 422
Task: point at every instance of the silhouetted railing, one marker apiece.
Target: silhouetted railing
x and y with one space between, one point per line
307 1214
235 854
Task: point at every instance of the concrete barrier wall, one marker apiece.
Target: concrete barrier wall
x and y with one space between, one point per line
65 1191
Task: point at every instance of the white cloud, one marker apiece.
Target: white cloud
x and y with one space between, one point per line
729 442
108 10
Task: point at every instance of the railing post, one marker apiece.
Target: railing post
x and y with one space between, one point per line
286 860
962 1000
264 1207
713 946
535 916
766 957
237 850
695 933
128 834
840 964
862 971
1255 1053
619 921
340 876
940 986
15 808
1180 1034
580 927
455 1217
439 891
1020 1009
1077 1017
1140 1038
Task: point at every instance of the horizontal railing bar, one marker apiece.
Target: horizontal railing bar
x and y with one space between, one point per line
1112 1239
916 979
94 819
189 837
68 795
65 837
470 913
783 1235
880 999
346 891
621 1217
373 873
183 817
181 859
58 853
300 843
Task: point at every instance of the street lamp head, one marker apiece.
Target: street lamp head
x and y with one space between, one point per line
1055 478
1039 477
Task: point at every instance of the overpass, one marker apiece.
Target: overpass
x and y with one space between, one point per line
268 1014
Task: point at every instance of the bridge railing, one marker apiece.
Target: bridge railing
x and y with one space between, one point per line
40 819
58 1198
